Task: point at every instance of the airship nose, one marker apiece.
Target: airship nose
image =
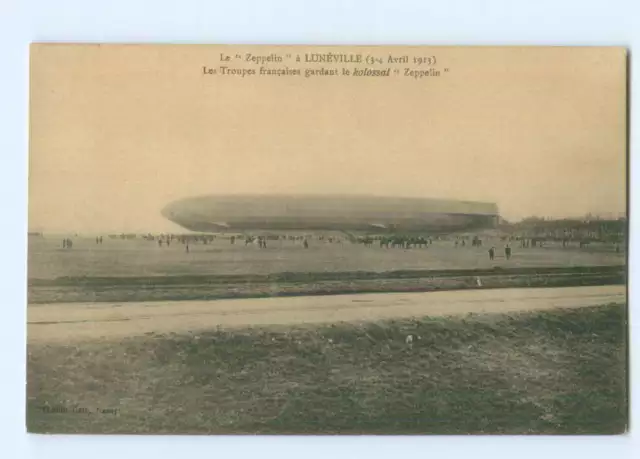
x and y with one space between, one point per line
171 212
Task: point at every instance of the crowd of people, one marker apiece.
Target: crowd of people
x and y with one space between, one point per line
568 231
524 237
386 242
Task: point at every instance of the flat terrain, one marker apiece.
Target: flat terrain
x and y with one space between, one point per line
73 322
139 270
122 258
113 347
555 372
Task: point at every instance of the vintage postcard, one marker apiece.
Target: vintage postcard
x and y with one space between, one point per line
327 240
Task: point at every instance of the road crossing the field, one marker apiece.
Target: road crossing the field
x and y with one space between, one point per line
72 322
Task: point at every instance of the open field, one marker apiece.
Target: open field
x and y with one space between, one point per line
122 339
140 258
554 372
138 270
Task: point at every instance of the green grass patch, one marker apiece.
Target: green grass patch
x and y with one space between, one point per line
558 372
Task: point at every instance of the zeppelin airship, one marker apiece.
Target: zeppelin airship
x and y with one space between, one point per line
355 213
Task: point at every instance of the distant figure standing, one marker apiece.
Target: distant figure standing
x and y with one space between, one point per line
64 243
159 242
492 253
306 244
186 248
233 240
507 252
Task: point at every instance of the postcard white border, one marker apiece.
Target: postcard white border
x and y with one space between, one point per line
453 22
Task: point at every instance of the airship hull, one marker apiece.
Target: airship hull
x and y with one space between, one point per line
371 214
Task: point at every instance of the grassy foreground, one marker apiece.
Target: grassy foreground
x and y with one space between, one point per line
559 372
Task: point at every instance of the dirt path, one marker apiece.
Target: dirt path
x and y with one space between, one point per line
72 322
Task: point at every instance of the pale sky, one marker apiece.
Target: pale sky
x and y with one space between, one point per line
118 132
